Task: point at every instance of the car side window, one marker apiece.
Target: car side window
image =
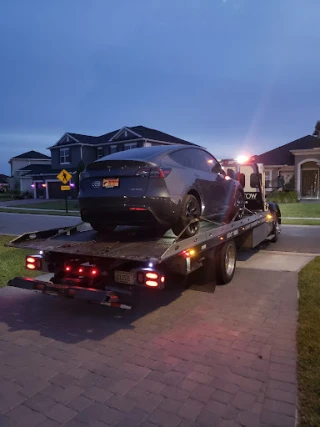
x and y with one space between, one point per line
182 158
209 161
194 159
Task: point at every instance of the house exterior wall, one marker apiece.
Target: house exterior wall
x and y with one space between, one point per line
89 154
25 185
75 153
300 159
17 164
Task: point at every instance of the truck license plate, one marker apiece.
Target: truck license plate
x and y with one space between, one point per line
124 277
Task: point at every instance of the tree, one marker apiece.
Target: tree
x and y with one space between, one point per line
80 168
317 130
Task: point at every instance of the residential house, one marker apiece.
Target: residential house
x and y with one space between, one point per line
297 161
20 166
73 150
4 183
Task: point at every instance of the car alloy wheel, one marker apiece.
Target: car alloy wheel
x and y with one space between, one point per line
190 210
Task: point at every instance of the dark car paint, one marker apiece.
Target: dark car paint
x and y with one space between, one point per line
163 205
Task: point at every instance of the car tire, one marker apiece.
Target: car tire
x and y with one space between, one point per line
190 209
158 231
100 227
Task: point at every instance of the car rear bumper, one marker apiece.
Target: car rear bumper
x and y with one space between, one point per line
128 210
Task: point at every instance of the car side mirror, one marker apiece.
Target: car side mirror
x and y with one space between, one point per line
254 180
216 168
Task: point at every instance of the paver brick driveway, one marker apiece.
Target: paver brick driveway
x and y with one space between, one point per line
225 359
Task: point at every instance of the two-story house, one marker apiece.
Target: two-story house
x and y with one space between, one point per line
22 164
74 150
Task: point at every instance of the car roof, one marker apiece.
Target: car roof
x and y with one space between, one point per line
145 153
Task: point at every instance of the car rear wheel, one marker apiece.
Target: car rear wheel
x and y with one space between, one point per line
100 227
190 211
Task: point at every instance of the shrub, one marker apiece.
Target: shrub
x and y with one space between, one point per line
283 197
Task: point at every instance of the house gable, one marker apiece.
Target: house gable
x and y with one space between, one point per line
124 134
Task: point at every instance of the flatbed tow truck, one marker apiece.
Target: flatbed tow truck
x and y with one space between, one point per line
113 269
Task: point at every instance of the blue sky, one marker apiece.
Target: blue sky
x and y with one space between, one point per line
232 75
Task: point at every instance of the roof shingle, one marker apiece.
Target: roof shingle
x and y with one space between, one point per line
282 156
34 155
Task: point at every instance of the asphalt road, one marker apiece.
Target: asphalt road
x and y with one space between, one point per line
300 239
17 224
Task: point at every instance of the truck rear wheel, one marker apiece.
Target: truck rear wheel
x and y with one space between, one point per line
226 259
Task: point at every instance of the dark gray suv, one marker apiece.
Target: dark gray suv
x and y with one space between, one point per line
162 186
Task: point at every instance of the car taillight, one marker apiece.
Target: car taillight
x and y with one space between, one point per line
159 172
153 172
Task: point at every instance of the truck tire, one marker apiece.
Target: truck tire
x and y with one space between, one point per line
275 230
226 259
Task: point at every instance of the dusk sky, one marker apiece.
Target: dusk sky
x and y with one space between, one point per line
236 76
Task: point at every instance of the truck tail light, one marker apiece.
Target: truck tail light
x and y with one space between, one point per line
152 283
150 278
33 262
153 276
94 272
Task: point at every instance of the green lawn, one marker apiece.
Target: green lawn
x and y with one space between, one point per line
56 205
300 210
12 262
309 344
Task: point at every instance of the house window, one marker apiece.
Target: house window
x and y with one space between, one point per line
99 152
147 144
267 179
130 145
64 155
113 149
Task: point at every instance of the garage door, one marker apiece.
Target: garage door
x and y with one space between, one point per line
54 191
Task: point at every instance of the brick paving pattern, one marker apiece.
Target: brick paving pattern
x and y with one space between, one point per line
192 358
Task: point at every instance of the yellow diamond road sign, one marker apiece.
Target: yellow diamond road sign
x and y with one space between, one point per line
64 176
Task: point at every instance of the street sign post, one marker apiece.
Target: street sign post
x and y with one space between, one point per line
64 176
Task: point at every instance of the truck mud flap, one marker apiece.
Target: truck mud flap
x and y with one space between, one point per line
98 296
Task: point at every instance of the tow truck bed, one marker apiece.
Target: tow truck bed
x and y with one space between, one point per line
130 244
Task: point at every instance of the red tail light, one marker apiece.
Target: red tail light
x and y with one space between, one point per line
151 283
94 272
153 172
137 209
153 276
67 268
159 173
33 262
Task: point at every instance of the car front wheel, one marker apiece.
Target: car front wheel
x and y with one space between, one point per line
189 219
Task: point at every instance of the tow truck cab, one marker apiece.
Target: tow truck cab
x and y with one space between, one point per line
251 175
